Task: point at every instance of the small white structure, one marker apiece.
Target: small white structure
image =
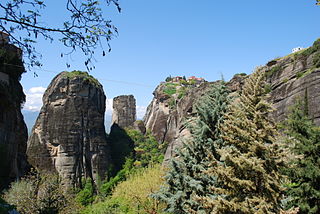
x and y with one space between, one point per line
297 49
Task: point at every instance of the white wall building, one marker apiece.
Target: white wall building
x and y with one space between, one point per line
297 49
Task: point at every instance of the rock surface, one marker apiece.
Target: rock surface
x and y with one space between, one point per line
294 77
124 111
166 122
291 77
69 135
13 131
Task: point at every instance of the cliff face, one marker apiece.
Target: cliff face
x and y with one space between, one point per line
13 131
124 110
166 114
294 76
69 135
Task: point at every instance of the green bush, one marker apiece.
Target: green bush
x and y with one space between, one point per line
169 90
273 70
110 206
85 76
182 92
107 186
86 195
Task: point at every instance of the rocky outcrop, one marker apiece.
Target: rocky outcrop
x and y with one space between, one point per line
69 135
165 116
295 76
13 131
289 78
124 111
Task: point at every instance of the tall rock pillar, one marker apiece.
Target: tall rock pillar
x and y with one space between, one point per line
69 135
124 111
13 131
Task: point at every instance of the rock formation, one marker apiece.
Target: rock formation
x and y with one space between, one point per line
13 131
69 135
124 110
166 114
294 76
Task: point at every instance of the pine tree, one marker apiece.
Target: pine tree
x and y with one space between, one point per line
247 174
304 191
186 178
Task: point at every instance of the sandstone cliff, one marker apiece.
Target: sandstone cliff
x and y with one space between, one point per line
124 110
290 77
69 135
13 131
168 110
293 76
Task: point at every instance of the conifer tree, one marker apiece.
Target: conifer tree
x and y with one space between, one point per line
186 178
304 191
247 174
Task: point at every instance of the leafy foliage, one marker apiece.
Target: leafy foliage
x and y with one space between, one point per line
37 194
132 196
147 148
186 179
86 195
107 186
86 29
304 189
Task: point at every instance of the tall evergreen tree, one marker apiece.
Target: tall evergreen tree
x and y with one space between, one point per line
304 191
247 175
186 178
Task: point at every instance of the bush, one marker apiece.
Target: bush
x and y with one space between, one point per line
273 70
110 206
107 186
170 90
86 195
37 194
136 190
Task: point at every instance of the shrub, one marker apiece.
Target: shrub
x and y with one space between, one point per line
169 90
136 190
86 195
273 70
37 194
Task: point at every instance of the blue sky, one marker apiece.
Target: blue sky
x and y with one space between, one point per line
203 38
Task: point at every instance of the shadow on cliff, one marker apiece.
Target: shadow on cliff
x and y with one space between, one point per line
121 146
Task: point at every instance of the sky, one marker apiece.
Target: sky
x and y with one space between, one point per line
203 38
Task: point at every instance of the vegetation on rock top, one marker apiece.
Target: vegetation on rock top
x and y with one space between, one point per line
82 74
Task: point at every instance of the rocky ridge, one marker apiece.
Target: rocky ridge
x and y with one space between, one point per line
69 135
294 76
167 112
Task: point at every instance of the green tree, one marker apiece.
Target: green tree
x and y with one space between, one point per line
186 178
85 30
247 175
147 149
304 190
